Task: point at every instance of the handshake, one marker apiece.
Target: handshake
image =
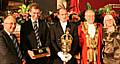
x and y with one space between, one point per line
64 57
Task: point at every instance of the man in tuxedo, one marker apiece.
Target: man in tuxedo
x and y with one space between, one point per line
56 31
8 50
32 39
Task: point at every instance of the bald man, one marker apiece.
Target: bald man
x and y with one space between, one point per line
90 39
8 54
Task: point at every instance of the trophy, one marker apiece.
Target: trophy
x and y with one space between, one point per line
66 41
41 51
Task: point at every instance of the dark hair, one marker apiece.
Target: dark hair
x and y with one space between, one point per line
70 17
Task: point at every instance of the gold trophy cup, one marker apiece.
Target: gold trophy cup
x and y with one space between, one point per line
66 41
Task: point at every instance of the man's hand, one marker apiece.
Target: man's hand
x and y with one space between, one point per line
48 49
31 54
23 61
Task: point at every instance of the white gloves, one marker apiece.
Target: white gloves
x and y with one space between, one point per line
64 57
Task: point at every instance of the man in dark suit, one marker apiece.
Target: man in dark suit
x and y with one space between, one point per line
32 39
8 50
57 30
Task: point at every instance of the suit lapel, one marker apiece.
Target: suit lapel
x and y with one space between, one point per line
58 33
40 27
31 34
60 30
9 42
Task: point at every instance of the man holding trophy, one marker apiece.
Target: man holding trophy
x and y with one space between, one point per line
34 38
62 51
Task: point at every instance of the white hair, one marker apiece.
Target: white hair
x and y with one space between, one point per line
111 17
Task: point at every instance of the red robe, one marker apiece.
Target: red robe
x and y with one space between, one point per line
82 41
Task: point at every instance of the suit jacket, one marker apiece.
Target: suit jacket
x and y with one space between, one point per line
8 54
56 32
28 40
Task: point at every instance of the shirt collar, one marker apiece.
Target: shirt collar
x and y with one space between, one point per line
63 22
7 32
90 24
34 20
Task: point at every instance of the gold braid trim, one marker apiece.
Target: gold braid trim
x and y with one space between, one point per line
91 43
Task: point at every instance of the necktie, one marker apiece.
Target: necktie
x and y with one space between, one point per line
36 29
16 46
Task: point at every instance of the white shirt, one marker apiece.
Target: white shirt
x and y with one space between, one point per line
63 24
8 33
91 30
34 21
